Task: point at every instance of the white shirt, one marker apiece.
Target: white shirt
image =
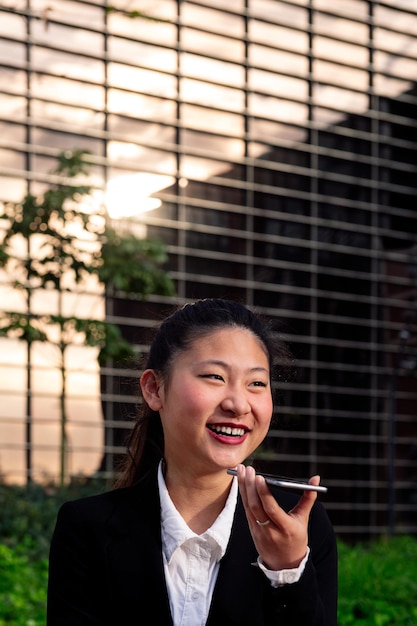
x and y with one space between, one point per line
192 561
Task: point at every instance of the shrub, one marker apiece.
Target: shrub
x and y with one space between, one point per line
28 513
377 580
27 519
378 583
22 588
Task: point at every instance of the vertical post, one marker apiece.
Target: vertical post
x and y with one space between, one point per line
28 425
404 335
28 418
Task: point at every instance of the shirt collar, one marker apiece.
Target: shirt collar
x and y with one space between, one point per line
175 531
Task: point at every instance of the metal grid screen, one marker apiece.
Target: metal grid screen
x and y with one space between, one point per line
279 140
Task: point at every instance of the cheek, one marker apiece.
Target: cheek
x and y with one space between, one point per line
198 403
265 410
188 404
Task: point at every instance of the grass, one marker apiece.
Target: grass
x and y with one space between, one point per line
377 580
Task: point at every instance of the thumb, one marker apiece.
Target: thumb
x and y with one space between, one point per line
305 503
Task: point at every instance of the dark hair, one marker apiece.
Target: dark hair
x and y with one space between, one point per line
175 334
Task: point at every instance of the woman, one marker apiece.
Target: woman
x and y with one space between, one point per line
179 541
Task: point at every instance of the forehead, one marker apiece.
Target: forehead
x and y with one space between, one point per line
233 342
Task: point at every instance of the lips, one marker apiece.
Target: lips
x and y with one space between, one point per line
227 431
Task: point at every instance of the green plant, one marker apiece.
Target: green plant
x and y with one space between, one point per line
378 583
28 512
66 246
23 587
27 519
131 13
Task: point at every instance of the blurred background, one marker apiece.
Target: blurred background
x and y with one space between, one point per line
270 147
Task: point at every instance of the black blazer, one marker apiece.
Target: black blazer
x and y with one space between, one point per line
106 568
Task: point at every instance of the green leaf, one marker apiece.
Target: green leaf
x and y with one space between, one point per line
4 256
134 265
22 326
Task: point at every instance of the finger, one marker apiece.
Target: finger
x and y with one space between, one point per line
268 504
272 509
249 494
307 500
241 476
246 478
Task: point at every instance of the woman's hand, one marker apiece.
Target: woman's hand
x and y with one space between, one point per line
281 541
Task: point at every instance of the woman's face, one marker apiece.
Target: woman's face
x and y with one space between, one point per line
217 407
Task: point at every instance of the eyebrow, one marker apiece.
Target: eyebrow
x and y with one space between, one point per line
226 366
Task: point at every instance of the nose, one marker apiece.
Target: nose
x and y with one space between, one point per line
235 402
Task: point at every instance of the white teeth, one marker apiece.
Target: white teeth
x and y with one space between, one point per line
227 430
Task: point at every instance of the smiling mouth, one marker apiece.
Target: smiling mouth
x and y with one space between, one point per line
227 431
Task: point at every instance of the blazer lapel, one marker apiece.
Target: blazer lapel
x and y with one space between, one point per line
134 555
240 586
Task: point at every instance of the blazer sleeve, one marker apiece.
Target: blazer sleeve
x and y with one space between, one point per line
243 595
105 560
312 601
76 572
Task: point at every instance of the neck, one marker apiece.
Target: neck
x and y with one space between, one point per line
199 501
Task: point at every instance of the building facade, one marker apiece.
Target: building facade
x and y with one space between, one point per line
271 145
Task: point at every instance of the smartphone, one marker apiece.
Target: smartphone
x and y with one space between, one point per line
287 483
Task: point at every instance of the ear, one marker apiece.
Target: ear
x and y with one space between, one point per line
151 389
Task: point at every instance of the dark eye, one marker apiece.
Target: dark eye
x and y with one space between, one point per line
214 376
259 383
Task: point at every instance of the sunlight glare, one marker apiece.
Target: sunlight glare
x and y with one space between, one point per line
129 195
